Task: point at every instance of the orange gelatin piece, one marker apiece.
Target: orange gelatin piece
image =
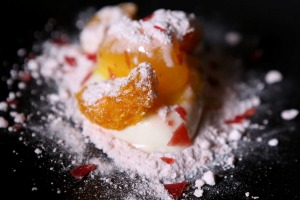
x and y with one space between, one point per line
131 103
172 79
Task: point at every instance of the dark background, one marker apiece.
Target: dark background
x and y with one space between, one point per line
277 25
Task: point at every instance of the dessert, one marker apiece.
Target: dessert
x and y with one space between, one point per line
135 89
146 85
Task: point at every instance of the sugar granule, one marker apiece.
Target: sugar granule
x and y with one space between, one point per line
3 122
273 76
289 114
273 142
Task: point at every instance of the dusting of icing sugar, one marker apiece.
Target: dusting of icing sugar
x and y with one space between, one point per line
96 91
179 22
157 31
92 35
111 88
162 26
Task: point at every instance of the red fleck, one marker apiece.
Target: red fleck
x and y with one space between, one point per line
181 111
60 41
17 127
71 61
160 28
13 102
127 59
26 76
30 56
170 122
92 57
240 118
81 171
148 17
86 77
250 112
168 160
180 137
175 189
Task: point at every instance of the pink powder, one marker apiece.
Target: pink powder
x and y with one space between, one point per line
213 146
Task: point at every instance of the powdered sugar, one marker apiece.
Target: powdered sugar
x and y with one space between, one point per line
110 88
3 122
273 76
213 145
289 114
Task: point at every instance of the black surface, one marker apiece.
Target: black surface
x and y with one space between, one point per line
269 173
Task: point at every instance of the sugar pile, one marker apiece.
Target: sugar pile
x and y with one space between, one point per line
61 65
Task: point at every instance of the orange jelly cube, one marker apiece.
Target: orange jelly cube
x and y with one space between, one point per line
172 80
169 54
127 105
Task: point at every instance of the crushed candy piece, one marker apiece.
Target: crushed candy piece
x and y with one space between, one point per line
81 171
180 137
175 189
168 160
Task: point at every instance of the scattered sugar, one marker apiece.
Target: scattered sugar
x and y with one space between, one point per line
11 96
273 76
235 135
37 151
247 194
3 122
289 114
18 117
199 183
233 38
209 178
273 142
3 106
198 193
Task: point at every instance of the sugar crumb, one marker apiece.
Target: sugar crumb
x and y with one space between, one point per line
198 193
3 122
209 178
233 38
37 151
289 114
3 106
273 76
273 142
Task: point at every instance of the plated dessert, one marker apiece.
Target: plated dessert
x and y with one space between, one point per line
146 96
